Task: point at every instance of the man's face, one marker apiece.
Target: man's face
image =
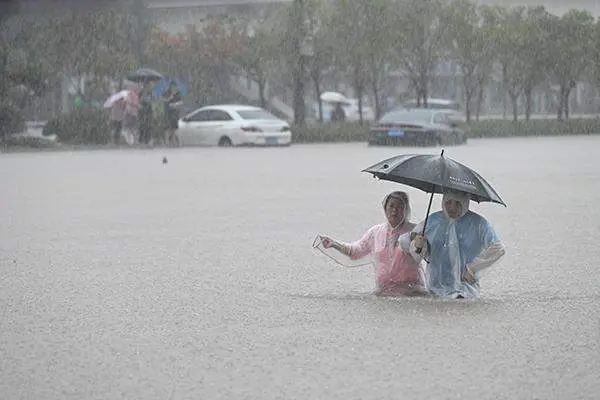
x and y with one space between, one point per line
453 208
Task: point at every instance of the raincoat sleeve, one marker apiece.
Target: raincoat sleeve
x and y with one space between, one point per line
362 247
493 249
407 245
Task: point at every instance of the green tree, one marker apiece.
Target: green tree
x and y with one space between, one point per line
363 35
294 43
572 46
533 52
322 47
255 59
507 39
423 42
593 71
485 67
468 45
21 73
95 42
380 18
259 55
92 43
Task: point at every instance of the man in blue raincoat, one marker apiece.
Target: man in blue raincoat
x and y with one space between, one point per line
458 244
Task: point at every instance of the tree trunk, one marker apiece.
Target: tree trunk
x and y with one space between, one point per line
416 88
468 87
375 74
561 102
504 85
566 104
479 103
375 81
299 69
468 96
514 100
424 88
262 84
299 105
317 82
359 88
377 100
528 102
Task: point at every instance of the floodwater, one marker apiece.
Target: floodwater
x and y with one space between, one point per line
123 278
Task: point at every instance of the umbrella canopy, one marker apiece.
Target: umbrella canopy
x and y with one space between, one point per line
144 75
334 97
162 85
115 97
435 174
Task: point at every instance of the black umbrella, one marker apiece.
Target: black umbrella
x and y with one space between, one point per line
144 75
434 174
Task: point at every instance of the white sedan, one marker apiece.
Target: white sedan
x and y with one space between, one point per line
233 125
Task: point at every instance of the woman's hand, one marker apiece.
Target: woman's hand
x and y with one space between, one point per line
330 243
326 242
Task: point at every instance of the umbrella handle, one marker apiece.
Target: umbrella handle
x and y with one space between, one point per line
412 237
419 250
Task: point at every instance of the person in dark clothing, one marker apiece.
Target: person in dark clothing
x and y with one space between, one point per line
145 118
338 113
172 99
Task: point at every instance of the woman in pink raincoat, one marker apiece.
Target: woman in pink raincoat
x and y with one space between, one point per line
397 272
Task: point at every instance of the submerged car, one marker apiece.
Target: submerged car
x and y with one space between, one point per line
233 125
416 127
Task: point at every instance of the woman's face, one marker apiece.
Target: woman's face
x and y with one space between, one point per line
453 208
394 211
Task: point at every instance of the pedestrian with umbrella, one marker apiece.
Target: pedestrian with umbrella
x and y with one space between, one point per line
116 104
131 119
172 100
456 243
145 79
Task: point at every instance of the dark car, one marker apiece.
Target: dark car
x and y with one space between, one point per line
416 127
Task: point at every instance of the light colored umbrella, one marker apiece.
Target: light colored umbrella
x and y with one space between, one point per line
334 97
115 97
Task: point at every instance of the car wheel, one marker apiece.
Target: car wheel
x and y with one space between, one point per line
225 142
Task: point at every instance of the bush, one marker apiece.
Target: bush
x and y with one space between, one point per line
11 120
330 132
32 142
354 132
80 126
536 127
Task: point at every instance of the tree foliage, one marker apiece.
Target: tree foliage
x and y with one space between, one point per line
571 48
363 41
